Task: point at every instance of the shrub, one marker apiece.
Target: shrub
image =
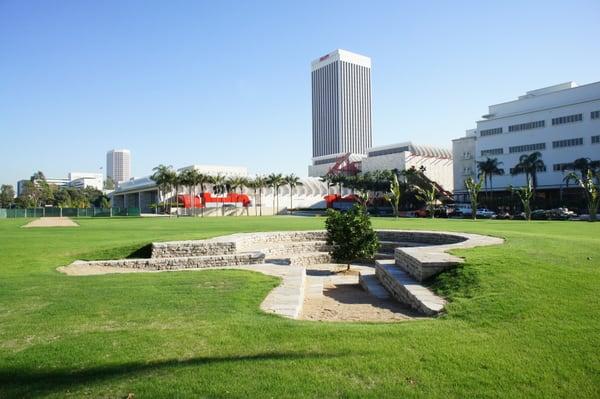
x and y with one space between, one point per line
351 235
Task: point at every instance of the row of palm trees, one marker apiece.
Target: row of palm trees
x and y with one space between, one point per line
530 165
167 180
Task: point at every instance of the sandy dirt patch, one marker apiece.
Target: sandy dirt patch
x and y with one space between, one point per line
52 222
87 270
334 294
349 302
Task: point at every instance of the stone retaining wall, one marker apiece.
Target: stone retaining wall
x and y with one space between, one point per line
189 262
178 249
421 237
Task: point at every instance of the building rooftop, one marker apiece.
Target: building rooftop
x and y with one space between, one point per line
421 150
341 55
545 98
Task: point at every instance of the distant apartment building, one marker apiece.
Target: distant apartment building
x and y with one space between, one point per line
562 122
341 106
118 165
74 179
85 179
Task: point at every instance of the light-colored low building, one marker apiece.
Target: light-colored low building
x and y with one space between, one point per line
436 162
143 193
86 179
463 150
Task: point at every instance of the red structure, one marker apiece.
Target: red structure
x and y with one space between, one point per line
230 198
344 166
331 198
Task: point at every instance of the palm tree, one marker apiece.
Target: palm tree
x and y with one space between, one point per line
394 195
530 164
292 181
591 188
163 176
260 182
487 170
219 187
582 165
429 197
327 180
189 178
473 188
236 182
178 181
525 194
275 181
202 181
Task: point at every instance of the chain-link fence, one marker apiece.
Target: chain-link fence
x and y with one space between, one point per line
67 212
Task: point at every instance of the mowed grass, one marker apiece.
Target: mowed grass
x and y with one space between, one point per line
524 320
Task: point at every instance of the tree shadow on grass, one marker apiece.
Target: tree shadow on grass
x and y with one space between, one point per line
27 382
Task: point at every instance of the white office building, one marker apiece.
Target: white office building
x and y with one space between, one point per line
118 165
341 106
562 122
86 179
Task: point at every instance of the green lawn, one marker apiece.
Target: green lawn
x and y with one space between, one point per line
524 320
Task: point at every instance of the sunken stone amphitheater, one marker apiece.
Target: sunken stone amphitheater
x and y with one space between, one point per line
406 259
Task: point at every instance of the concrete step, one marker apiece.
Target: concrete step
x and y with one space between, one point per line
369 283
406 289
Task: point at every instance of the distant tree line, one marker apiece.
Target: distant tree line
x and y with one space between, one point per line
37 192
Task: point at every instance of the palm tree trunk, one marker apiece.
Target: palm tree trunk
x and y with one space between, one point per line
291 198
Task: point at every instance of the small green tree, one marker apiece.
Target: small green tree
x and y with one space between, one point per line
590 183
351 235
473 188
394 195
525 194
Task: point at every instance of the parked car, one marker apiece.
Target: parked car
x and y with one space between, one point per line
560 214
485 213
466 211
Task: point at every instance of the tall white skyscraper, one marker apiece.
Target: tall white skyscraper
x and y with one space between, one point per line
118 165
341 105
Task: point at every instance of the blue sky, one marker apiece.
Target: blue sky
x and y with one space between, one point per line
229 82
